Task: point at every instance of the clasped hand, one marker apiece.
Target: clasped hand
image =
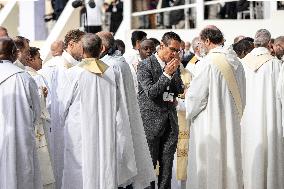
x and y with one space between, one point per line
172 66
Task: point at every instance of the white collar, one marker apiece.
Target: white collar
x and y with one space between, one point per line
30 69
5 61
69 58
219 49
259 51
231 56
162 64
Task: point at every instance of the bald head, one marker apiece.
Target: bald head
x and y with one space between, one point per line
262 38
187 45
3 32
57 47
8 50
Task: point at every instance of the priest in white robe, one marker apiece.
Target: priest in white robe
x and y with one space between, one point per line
145 171
262 139
214 103
42 127
23 47
91 129
19 112
194 66
55 74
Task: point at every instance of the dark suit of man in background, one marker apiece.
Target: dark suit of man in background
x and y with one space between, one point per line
159 83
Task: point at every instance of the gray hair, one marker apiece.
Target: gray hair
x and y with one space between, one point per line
92 44
262 38
195 43
279 39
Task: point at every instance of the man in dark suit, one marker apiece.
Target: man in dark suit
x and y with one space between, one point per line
159 83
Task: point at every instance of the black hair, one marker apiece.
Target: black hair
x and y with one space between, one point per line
119 45
156 41
169 36
137 36
243 46
33 51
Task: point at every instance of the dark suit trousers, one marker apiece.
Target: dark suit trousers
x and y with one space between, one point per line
127 187
162 149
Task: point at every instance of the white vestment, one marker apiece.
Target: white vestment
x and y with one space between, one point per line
92 133
19 112
215 133
19 64
195 69
145 170
280 92
262 140
41 128
132 57
55 75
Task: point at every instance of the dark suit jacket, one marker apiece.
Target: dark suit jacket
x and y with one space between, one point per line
152 83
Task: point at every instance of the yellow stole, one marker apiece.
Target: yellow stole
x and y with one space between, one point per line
255 62
225 68
183 136
93 65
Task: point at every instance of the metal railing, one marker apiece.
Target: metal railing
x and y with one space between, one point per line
199 6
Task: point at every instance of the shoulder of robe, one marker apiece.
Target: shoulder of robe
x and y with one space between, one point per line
94 66
255 62
8 70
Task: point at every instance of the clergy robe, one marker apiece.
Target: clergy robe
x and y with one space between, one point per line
181 155
54 73
91 129
145 170
262 142
194 66
19 64
132 57
215 133
183 137
41 131
19 112
280 93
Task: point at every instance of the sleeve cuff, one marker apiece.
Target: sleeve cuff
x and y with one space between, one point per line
167 75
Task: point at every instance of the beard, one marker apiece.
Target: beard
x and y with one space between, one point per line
203 51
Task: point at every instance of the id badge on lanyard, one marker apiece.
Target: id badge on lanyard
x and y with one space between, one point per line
167 96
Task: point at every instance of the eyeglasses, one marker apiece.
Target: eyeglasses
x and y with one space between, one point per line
174 50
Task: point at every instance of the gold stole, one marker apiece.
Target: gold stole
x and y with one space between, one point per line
225 68
193 60
255 62
183 136
93 65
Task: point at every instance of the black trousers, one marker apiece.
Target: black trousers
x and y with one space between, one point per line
93 29
127 187
162 149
